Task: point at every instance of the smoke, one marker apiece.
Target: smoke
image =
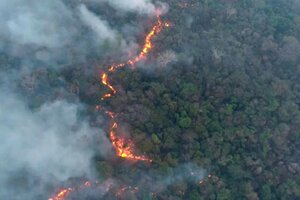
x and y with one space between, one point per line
56 33
188 172
143 183
100 27
148 7
45 138
40 29
35 22
49 143
53 142
140 6
61 33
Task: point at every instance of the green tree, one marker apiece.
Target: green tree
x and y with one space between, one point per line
224 194
155 139
185 122
265 192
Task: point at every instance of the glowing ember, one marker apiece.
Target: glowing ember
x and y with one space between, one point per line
209 176
65 192
62 194
87 184
106 83
109 113
167 24
114 67
126 188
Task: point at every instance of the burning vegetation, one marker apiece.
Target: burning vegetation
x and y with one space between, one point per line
65 192
220 89
124 147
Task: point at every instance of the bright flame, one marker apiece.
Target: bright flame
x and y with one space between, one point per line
156 29
167 24
123 189
105 82
65 192
125 148
62 194
114 67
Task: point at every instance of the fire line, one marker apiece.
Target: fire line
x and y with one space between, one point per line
124 148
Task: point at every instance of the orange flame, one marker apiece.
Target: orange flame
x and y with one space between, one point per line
65 192
123 149
148 43
62 194
109 113
114 67
105 82
156 29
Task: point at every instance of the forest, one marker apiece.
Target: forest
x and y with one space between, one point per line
219 92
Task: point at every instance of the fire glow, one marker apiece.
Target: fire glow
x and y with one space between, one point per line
65 192
125 148
62 194
148 45
107 84
126 188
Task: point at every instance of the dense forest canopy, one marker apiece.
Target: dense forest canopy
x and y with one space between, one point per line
219 94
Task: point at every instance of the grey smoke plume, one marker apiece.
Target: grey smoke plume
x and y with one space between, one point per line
54 32
100 27
52 143
189 172
59 33
44 141
41 23
140 6
148 7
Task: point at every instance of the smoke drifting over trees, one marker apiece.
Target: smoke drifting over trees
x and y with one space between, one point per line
49 144
49 141
215 105
58 33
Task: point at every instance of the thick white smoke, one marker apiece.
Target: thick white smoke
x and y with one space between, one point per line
140 6
54 31
49 141
41 23
53 142
50 144
100 27
59 33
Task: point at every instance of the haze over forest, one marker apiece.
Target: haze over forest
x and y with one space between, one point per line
149 100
